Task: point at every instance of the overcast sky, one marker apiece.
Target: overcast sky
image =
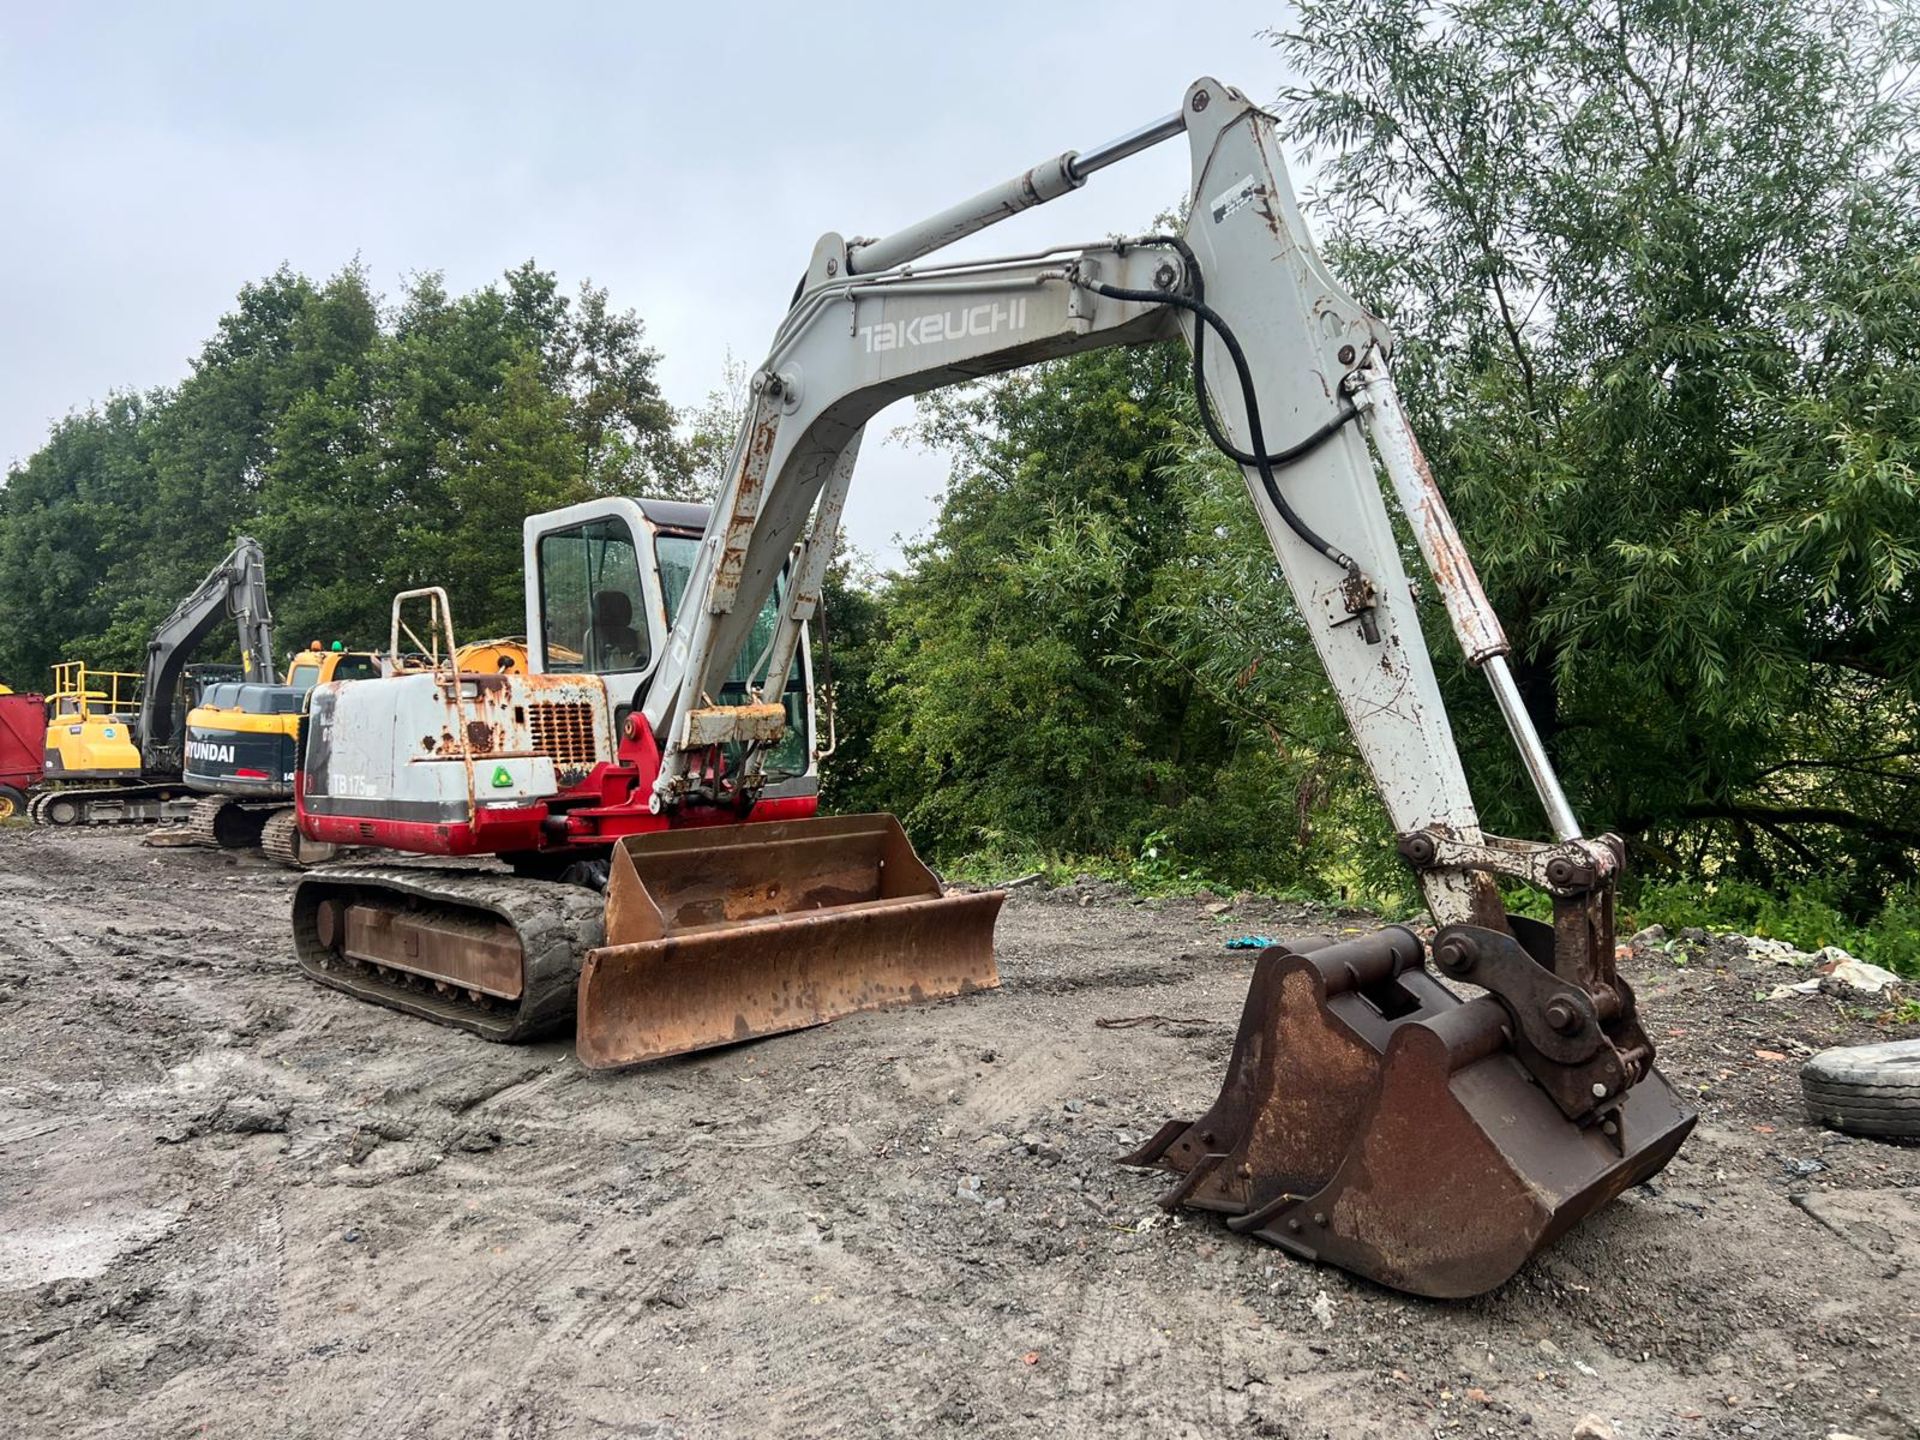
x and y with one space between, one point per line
155 157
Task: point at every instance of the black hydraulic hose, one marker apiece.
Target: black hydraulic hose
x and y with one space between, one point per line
1263 461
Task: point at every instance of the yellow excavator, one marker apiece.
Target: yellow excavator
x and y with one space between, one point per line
114 751
91 715
93 769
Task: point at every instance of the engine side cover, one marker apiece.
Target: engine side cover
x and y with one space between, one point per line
407 748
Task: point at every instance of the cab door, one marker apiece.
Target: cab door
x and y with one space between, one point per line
593 602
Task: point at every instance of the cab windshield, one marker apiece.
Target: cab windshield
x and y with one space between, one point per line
677 554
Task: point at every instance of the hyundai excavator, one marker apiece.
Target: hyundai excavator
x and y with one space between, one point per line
240 753
140 751
1373 1115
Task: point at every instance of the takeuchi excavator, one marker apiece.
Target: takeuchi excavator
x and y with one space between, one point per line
129 771
1372 1115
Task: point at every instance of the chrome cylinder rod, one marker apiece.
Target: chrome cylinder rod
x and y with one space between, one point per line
1526 739
1132 143
1046 181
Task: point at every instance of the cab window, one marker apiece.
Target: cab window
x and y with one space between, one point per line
677 554
592 609
356 667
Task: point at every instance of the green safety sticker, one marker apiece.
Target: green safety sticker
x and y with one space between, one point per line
500 777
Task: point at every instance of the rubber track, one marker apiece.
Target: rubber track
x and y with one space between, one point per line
280 838
557 925
282 842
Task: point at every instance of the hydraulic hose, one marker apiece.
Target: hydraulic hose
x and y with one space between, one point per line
1259 457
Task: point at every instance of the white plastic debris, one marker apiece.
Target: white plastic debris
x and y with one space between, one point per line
1776 951
1859 975
1839 973
1322 1309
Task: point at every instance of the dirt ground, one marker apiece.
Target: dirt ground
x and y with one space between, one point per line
237 1204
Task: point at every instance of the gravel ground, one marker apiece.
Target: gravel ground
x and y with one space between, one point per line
237 1204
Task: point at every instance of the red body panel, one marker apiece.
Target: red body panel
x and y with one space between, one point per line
510 830
610 803
23 740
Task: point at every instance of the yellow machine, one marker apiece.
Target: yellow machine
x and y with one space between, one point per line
494 657
91 729
121 733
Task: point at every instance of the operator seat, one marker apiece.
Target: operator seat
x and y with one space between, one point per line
613 643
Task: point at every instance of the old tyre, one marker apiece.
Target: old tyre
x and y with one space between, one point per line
13 803
1866 1089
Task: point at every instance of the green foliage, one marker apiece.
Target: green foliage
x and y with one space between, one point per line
369 448
1653 269
1892 937
994 713
1807 916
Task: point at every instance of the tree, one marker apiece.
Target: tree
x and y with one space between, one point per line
999 717
1653 272
67 516
370 448
710 430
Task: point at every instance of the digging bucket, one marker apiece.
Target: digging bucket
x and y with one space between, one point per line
1373 1120
726 934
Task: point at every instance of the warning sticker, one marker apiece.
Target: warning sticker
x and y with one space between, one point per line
1235 197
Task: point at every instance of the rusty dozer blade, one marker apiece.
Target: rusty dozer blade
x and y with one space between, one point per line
1373 1120
726 934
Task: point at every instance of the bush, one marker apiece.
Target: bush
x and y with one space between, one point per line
1807 916
1893 939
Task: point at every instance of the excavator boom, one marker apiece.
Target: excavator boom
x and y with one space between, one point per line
1345 1077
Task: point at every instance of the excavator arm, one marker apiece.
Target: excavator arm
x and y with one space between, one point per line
1359 1085
235 588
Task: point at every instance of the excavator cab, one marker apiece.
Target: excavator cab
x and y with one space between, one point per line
611 578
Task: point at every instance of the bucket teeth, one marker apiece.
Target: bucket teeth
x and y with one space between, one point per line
1373 1120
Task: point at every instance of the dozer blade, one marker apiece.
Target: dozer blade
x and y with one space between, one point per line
725 934
1373 1120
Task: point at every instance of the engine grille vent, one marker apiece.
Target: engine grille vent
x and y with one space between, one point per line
563 731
